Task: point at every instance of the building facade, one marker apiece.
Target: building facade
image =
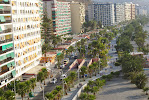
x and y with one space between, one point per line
119 12
60 14
21 51
102 12
129 11
77 16
7 63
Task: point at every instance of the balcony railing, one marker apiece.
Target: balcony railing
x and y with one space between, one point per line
2 2
5 12
6 60
5 41
7 21
2 52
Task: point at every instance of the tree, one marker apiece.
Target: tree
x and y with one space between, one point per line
9 95
140 80
72 76
91 97
47 33
146 89
87 89
40 77
59 58
83 71
59 89
21 89
95 67
50 96
83 96
33 83
28 88
95 89
46 73
1 92
90 70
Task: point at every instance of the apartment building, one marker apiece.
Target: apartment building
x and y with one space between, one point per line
77 16
119 12
60 14
102 12
129 11
20 35
7 63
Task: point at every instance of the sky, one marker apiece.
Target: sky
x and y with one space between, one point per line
140 2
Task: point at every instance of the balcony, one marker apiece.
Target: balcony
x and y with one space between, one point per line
5 31
6 60
2 52
5 2
5 12
5 41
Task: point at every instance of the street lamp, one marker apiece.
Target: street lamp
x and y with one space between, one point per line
79 75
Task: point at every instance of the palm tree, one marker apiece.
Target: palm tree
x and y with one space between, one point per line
33 83
28 88
90 70
9 95
55 92
91 97
59 58
95 67
46 74
1 92
67 85
72 76
40 77
21 89
59 89
2 98
91 83
87 89
83 96
146 89
83 71
140 80
49 96
95 90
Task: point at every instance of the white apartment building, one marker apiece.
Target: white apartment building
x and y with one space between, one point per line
129 11
119 12
102 12
23 20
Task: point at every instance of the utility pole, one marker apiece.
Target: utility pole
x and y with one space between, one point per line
43 92
78 76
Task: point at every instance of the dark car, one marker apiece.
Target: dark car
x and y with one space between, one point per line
75 57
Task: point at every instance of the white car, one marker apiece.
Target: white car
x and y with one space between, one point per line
62 66
63 76
53 80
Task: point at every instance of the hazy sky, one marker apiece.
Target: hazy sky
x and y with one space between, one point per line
140 2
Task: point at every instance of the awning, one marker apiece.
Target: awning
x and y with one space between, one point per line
1 58
8 55
3 47
12 54
2 19
9 65
13 63
1 7
14 73
5 0
1 29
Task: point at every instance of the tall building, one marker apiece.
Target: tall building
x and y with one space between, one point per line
60 14
102 12
77 16
129 11
7 63
20 35
119 13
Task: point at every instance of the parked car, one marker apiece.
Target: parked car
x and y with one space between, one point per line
66 61
63 76
62 66
75 57
53 80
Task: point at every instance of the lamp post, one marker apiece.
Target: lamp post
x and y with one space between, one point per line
43 92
